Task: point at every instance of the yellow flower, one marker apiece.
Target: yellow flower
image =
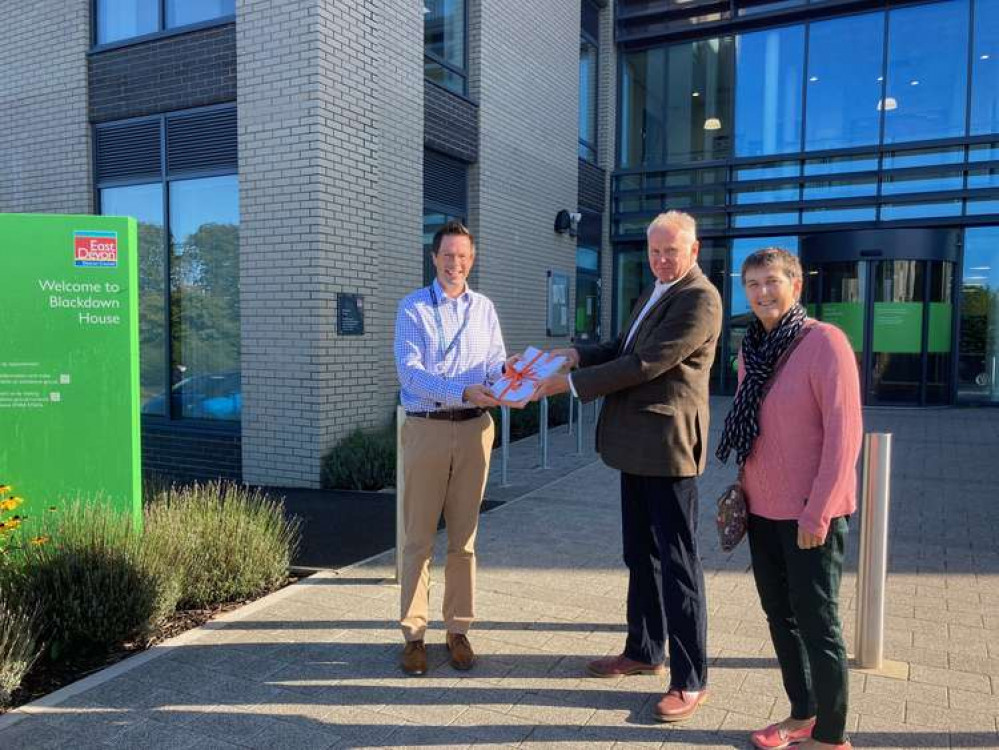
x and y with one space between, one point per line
11 524
10 503
5 488
39 540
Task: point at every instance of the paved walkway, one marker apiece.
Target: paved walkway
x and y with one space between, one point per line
314 666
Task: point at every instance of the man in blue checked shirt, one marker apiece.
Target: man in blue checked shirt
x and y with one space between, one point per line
448 348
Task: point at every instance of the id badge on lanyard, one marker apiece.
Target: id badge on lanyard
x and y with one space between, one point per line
444 351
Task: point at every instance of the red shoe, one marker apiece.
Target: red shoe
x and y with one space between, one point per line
816 745
619 666
776 736
678 705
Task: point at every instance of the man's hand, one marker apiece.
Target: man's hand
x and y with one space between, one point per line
571 355
479 395
551 386
808 540
510 362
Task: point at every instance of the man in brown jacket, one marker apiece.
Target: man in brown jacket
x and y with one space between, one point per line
653 428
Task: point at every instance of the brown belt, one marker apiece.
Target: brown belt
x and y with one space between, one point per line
450 415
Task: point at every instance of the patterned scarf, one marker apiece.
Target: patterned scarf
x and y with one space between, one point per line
761 351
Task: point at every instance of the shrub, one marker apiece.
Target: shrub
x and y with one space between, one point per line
361 461
226 542
90 580
18 648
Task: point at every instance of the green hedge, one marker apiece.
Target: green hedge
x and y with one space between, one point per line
364 460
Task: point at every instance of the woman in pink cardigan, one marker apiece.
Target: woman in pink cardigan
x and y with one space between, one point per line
796 429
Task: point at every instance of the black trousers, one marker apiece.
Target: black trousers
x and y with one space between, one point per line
666 582
799 591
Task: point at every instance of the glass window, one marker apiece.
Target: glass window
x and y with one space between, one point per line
838 215
123 19
768 194
780 169
898 211
587 100
985 69
769 69
145 204
631 276
676 103
184 12
204 298
764 220
923 157
902 184
844 89
831 189
926 90
978 358
444 42
841 165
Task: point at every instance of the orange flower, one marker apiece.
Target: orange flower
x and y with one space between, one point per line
10 503
39 540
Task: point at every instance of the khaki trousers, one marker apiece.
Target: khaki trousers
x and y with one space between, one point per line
446 464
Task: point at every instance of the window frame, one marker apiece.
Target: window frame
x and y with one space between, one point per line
460 72
164 179
161 33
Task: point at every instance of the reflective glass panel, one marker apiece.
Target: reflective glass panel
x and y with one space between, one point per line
898 211
440 75
828 189
926 91
676 103
183 12
204 298
777 169
587 99
444 31
838 215
982 207
768 91
844 89
923 157
985 69
631 276
897 330
123 19
902 184
145 204
765 220
841 165
978 358
769 194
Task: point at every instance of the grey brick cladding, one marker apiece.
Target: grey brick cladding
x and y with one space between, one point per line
177 72
592 184
186 453
450 123
525 78
44 135
330 101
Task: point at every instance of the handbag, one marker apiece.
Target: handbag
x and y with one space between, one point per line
732 516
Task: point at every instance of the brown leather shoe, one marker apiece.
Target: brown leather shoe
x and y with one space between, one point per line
462 656
414 658
678 705
617 666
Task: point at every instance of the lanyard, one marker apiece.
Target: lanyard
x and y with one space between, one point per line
440 326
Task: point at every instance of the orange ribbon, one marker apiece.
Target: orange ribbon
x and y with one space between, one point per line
517 377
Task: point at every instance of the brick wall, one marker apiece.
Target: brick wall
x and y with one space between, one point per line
330 137
450 123
524 74
179 72
45 138
184 453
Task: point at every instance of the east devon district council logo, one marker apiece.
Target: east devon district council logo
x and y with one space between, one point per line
95 248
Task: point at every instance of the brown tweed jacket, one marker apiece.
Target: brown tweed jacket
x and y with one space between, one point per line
654 421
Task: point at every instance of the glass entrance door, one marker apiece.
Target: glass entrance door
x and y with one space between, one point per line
898 316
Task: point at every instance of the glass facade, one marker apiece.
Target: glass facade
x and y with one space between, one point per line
444 43
832 122
119 20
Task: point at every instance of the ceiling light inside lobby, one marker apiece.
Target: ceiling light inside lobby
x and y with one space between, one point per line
712 123
887 104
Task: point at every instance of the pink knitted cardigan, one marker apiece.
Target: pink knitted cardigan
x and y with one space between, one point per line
803 465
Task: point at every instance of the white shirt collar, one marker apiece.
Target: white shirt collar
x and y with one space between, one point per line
442 296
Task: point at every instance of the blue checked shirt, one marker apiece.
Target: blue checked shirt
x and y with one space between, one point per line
430 383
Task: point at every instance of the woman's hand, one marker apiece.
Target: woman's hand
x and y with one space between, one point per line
808 540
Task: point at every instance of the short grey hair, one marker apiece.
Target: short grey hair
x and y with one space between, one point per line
678 220
774 257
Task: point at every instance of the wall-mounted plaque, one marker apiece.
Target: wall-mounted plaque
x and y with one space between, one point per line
558 304
349 314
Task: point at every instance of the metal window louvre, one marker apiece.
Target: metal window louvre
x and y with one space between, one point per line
201 141
128 151
445 182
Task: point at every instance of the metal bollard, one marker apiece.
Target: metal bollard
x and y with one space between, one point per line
543 432
579 430
400 487
872 569
504 446
572 409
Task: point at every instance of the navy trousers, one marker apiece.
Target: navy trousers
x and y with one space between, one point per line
666 582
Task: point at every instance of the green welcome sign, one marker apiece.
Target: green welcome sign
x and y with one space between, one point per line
69 366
